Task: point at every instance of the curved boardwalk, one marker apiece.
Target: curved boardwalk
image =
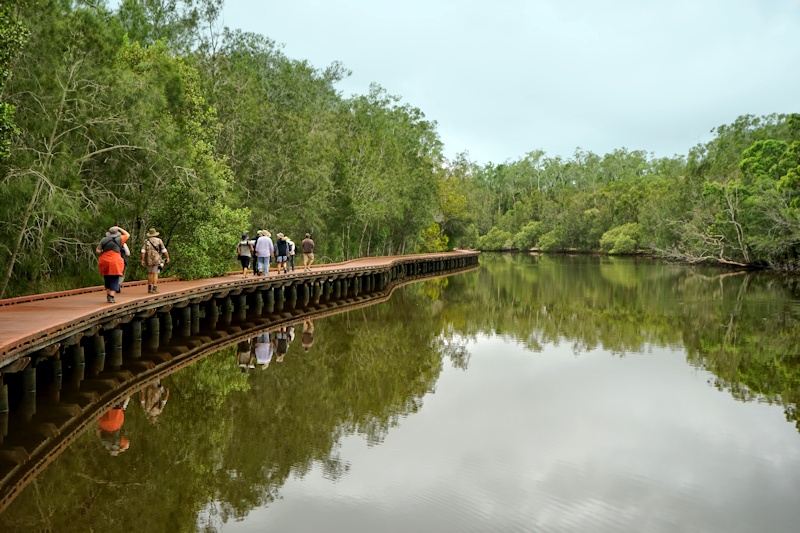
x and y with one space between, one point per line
34 323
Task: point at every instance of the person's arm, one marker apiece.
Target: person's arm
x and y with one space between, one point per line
166 252
125 234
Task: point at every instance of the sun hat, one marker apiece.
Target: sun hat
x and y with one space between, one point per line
280 235
113 231
152 232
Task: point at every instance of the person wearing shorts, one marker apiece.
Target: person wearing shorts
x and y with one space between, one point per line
152 251
281 252
244 251
308 252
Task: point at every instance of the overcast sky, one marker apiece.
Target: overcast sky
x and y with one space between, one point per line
505 77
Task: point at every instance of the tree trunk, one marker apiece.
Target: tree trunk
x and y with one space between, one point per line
13 259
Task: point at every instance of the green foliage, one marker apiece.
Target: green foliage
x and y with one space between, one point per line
529 235
496 239
552 241
622 239
13 35
434 240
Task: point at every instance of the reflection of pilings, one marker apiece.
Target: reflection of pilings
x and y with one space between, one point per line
212 314
195 319
337 288
227 311
269 297
185 322
136 339
28 405
304 296
291 296
256 306
57 377
153 333
240 313
99 359
4 408
78 361
115 351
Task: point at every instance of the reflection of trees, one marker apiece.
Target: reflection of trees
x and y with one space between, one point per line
227 441
742 327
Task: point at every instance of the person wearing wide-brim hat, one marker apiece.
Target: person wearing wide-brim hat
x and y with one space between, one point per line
152 251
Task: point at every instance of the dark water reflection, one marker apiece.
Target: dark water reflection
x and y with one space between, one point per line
535 394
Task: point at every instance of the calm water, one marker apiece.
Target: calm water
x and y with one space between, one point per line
535 394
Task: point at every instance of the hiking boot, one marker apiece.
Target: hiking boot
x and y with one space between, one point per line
110 299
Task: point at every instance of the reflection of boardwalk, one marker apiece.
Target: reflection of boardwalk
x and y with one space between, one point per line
30 323
79 382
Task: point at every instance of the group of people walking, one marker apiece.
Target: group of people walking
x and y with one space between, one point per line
113 255
261 251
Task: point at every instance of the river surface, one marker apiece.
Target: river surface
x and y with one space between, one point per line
538 393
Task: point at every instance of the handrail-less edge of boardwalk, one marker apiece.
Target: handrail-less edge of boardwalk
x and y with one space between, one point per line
15 480
110 315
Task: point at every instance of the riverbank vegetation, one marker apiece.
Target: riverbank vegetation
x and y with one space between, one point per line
153 114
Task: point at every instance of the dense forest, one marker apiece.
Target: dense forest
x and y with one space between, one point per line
150 113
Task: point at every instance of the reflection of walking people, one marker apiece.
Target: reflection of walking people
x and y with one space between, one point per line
308 252
264 349
281 344
243 356
153 398
245 252
307 339
110 429
110 261
152 250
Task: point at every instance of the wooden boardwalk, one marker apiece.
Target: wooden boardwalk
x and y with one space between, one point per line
31 324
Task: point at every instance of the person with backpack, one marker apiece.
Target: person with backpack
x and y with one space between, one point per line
281 253
245 252
110 261
290 260
264 251
152 250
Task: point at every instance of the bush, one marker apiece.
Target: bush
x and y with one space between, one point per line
433 240
621 240
496 239
552 241
528 236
